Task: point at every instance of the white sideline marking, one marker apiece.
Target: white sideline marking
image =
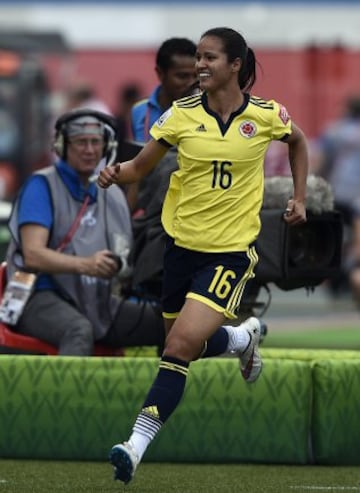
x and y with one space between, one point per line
327 488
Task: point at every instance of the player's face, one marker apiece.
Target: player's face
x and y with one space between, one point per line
84 153
212 66
177 80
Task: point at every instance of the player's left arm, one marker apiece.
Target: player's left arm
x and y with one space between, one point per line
299 163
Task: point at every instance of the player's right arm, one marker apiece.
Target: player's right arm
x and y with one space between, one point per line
134 170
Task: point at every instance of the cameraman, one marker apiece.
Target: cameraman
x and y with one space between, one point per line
76 255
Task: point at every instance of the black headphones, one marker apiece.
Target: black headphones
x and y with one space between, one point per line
61 137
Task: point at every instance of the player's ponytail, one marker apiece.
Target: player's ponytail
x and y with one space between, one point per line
247 74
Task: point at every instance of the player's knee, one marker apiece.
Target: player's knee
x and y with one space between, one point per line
182 347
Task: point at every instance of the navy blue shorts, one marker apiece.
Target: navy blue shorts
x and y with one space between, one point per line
216 279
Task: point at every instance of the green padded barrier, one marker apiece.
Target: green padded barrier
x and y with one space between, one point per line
336 412
68 407
77 408
223 419
309 354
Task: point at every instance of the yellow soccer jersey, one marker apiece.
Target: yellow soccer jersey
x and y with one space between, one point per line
215 197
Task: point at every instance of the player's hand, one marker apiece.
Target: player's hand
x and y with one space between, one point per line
295 212
109 175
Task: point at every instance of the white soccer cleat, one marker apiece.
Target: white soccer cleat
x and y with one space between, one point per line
250 359
125 461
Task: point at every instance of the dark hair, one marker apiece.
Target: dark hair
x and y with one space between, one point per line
235 46
171 47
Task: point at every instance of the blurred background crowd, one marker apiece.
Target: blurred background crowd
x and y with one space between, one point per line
58 55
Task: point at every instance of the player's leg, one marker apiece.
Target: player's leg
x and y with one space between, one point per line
220 280
194 325
215 292
181 266
221 284
234 338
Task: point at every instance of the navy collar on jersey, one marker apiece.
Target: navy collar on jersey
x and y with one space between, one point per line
72 182
224 126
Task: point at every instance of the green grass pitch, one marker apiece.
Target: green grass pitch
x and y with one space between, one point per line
77 477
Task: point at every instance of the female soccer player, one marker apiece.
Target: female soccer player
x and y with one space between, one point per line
211 217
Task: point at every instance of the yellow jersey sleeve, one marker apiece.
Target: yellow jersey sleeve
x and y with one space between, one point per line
165 128
281 122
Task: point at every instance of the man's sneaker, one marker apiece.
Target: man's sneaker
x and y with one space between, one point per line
250 360
124 459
